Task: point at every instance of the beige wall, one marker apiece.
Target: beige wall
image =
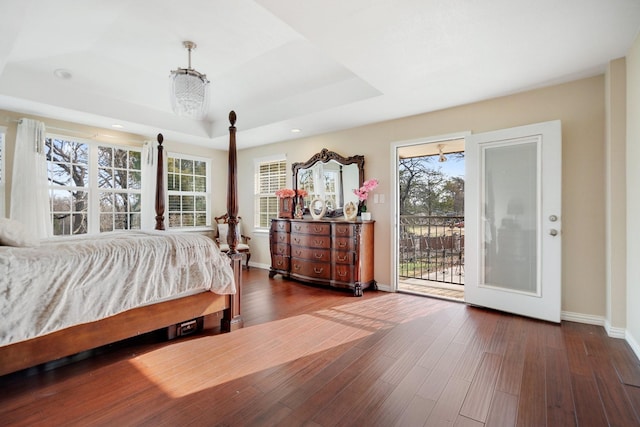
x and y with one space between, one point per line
219 158
633 196
579 105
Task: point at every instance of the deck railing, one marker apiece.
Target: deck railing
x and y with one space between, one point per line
432 248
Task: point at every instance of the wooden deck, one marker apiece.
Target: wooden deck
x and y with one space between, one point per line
321 357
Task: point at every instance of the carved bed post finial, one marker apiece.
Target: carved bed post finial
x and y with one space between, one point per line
160 186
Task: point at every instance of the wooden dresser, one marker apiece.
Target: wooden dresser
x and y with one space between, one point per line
329 252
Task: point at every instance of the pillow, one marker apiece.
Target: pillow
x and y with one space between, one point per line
223 231
14 233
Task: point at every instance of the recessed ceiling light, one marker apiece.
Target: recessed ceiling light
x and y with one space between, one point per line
117 126
63 74
296 130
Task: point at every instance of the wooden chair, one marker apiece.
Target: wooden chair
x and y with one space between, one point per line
221 237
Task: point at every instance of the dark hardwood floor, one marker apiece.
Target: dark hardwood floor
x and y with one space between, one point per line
319 357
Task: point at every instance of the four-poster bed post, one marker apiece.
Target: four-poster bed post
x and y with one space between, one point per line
233 319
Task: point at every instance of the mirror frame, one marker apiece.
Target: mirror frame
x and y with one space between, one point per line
325 156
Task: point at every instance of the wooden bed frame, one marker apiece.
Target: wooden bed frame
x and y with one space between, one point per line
75 339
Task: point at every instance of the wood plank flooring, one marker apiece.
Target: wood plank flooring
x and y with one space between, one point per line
311 356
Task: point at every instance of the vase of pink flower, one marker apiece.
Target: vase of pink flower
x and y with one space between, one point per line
299 203
363 194
285 202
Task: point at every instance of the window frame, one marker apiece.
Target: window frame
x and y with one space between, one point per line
207 194
258 196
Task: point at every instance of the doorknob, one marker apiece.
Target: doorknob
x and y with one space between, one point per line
553 218
553 232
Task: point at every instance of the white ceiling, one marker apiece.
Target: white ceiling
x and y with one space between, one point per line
314 65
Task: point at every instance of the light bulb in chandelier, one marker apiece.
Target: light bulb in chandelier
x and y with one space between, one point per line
189 89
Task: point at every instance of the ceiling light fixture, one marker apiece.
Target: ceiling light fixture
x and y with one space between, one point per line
442 157
189 89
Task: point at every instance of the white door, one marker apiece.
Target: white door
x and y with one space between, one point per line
513 221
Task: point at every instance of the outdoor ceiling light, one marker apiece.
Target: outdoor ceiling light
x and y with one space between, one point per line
189 89
442 157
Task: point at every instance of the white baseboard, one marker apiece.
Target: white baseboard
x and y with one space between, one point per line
614 332
633 344
582 318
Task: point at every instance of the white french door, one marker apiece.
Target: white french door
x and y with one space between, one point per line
513 253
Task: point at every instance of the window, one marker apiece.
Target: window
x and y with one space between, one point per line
93 187
270 176
119 188
188 190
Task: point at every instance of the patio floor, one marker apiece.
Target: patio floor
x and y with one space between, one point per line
429 288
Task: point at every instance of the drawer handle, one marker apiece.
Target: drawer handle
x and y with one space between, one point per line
318 255
281 251
342 231
297 240
342 273
344 258
318 270
299 253
296 266
279 263
317 228
297 227
281 238
342 244
318 242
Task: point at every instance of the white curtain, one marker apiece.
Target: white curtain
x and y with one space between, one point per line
29 185
149 162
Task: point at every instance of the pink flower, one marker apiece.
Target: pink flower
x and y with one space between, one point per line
367 186
285 192
302 192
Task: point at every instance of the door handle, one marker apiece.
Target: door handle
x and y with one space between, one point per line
553 232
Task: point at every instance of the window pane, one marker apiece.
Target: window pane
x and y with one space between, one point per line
135 180
200 168
135 160
186 183
174 203
200 183
187 204
201 204
172 184
186 166
106 222
106 202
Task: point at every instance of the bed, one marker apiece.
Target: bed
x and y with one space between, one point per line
156 279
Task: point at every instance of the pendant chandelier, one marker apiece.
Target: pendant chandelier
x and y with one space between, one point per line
189 89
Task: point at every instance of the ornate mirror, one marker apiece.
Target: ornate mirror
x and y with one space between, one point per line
330 177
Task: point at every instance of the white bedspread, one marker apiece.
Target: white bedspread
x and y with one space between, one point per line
79 280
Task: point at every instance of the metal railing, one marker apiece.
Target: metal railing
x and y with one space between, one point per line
432 248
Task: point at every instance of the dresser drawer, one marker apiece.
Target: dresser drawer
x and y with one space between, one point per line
316 270
311 228
311 241
311 254
280 237
343 230
279 262
343 273
283 226
344 243
343 257
280 249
